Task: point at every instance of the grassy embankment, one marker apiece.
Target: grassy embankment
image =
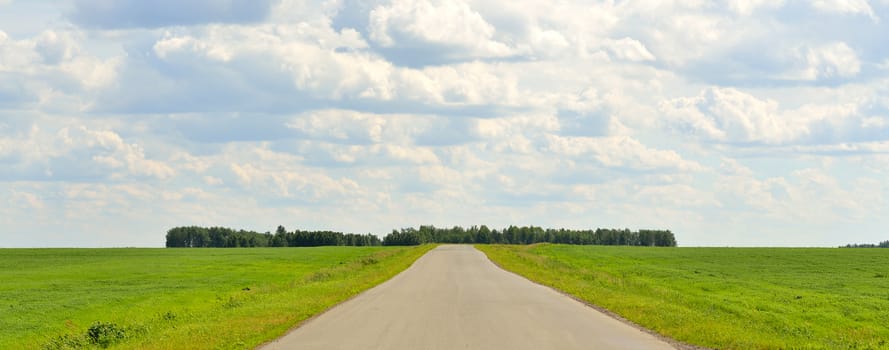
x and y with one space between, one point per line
727 298
178 298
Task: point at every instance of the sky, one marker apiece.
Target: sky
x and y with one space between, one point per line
731 123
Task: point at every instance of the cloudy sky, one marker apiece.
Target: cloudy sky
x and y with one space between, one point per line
736 122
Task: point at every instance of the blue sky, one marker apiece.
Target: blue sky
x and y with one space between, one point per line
738 122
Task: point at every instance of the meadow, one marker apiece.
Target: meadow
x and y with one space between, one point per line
178 298
725 298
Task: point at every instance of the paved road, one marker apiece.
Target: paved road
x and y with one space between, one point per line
455 298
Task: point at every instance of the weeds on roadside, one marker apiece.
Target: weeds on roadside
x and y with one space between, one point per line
101 334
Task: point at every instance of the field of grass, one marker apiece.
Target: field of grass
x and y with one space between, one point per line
726 298
178 298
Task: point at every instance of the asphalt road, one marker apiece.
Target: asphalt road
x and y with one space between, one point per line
455 298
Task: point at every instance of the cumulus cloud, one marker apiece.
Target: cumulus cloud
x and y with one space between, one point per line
77 153
231 65
16 55
620 152
835 60
112 14
519 134
747 7
213 181
859 7
630 49
452 26
26 200
732 116
801 194
272 178
684 37
49 71
407 33
56 47
354 115
110 150
344 126
676 196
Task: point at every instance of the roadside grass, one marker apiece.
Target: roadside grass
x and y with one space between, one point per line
725 298
179 298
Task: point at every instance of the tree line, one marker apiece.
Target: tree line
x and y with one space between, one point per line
529 235
222 237
883 244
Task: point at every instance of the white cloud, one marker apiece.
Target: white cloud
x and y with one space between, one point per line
276 176
683 37
78 152
451 24
258 59
51 72
675 196
620 152
809 194
26 200
732 116
414 155
16 55
342 126
303 69
548 42
835 60
109 149
547 30
731 167
861 7
515 134
508 127
469 83
346 127
354 115
748 7
213 181
56 47
630 49
768 195
93 73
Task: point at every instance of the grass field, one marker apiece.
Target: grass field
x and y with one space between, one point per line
178 298
726 298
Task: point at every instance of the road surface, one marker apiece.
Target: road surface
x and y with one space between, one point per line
455 298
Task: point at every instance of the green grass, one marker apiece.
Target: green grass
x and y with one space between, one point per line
726 298
178 298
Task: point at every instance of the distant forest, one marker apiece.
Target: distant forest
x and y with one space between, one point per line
883 244
221 237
